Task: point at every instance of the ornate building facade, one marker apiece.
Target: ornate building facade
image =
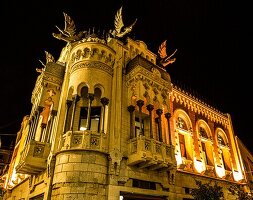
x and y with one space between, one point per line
107 123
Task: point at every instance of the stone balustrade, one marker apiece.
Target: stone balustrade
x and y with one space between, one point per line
85 140
33 159
146 152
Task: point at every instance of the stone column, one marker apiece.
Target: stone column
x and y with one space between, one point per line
49 126
168 115
105 102
150 108
42 132
140 103
159 113
68 103
91 98
31 123
131 109
36 120
76 98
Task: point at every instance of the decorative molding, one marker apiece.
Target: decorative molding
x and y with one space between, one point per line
52 79
92 64
151 78
199 107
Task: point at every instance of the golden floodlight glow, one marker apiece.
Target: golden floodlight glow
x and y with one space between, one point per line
237 175
83 128
198 165
220 171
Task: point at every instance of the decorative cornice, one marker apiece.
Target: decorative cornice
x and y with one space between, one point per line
52 79
55 69
150 77
149 66
194 104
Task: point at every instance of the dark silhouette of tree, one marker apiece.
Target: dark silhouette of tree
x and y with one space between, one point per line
207 191
239 192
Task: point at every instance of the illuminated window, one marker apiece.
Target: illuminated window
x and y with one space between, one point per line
139 126
206 156
202 132
221 140
182 145
226 166
225 154
94 118
180 123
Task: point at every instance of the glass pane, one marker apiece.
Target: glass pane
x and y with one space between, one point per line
202 132
83 124
83 118
94 124
182 145
181 123
220 140
95 118
138 126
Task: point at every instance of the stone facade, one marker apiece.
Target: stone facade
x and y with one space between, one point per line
107 123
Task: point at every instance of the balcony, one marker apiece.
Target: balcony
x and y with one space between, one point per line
87 140
149 153
33 159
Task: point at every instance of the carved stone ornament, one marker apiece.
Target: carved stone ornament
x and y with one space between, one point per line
115 158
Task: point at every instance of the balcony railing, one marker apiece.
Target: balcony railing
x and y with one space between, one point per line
33 159
145 152
89 140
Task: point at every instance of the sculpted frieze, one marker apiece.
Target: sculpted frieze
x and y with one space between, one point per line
92 64
53 80
152 77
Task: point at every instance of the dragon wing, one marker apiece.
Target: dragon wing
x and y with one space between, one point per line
171 55
131 26
118 21
162 50
70 27
49 57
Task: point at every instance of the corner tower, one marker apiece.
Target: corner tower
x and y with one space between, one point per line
81 161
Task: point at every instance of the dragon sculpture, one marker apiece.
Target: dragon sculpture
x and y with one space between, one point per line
69 33
118 32
164 58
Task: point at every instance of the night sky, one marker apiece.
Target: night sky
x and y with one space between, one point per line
213 38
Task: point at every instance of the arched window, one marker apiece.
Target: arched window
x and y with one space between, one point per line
182 145
202 133
180 123
205 136
90 110
83 109
221 140
97 96
225 155
183 127
69 110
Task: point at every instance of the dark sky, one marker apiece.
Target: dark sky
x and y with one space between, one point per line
213 38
